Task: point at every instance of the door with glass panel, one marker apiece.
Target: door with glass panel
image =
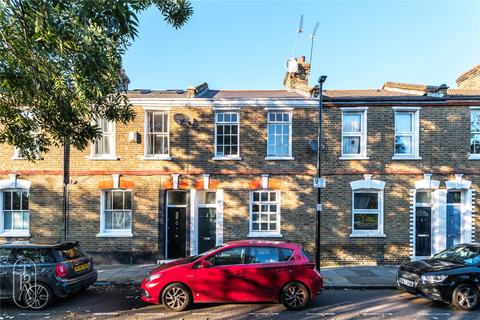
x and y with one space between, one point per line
423 224
207 217
176 224
454 217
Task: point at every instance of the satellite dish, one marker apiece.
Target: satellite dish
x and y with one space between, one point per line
292 65
181 119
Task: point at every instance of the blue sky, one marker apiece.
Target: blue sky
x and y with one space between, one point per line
240 45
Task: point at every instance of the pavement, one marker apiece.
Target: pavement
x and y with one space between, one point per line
338 277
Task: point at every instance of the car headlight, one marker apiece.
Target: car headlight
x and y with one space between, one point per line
153 276
433 278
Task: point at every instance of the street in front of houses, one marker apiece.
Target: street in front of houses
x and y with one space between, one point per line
109 302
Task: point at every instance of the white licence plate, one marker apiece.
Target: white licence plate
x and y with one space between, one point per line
406 282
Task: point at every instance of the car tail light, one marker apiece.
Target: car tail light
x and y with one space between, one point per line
61 270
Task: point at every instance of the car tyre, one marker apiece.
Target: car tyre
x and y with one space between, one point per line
295 296
38 296
465 297
176 297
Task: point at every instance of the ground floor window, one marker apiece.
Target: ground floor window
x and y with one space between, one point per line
116 213
264 212
15 211
366 211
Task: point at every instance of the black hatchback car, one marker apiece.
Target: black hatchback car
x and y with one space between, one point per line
32 275
451 276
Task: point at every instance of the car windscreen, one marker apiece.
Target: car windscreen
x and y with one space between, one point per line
462 255
70 252
203 254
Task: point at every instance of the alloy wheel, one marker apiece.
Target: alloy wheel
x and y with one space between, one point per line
36 296
467 297
175 298
295 296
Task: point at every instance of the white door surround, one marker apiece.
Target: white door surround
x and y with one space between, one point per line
439 212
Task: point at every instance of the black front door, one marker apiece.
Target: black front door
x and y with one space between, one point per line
423 232
176 232
206 229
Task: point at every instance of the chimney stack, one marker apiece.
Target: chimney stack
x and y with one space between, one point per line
470 79
298 81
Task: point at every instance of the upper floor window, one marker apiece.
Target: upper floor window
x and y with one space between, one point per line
15 212
279 142
227 135
104 147
354 133
157 135
116 213
475 134
406 133
265 213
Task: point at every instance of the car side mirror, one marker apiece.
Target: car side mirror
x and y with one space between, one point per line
205 263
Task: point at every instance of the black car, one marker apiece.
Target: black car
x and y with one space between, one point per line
451 276
32 275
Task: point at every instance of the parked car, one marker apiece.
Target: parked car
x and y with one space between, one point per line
33 275
239 271
451 276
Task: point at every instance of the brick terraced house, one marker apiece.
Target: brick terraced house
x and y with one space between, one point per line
199 167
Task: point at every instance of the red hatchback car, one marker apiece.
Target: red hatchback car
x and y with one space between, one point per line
239 271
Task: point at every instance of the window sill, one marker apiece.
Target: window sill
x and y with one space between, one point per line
104 158
114 235
399 157
279 158
367 235
264 235
354 158
474 157
236 158
150 158
21 234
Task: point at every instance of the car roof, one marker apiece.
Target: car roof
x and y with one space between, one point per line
280 244
29 245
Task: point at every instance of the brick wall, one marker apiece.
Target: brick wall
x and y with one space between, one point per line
444 147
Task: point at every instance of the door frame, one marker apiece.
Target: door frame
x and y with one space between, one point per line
433 214
194 204
167 205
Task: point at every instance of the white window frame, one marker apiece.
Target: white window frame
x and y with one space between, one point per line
379 211
13 232
225 111
363 134
111 156
124 233
472 156
146 155
415 133
259 233
38 156
290 116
